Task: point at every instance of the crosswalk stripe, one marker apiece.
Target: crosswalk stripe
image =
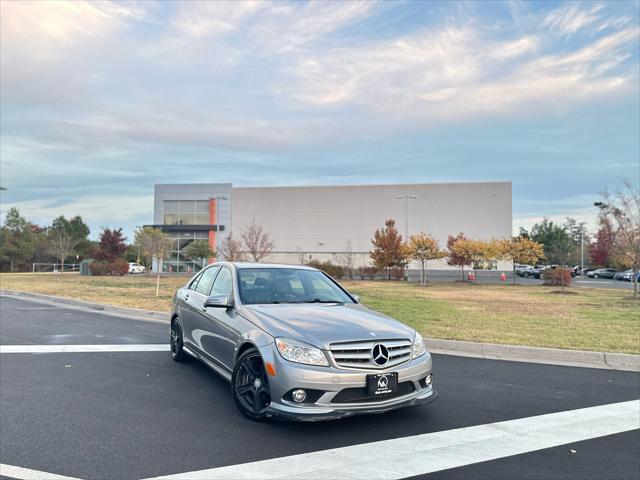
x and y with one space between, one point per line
161 347
432 452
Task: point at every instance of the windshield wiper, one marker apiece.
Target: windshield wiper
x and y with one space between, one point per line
318 300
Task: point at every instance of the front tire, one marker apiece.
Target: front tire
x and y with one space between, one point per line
596 276
177 341
250 386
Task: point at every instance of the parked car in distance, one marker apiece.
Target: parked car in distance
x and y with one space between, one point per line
539 271
296 345
586 270
621 275
628 277
523 270
602 273
536 272
136 268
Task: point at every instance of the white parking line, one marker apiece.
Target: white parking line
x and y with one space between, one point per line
28 474
432 452
161 347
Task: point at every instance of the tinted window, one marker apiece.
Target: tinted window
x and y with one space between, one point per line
288 285
206 280
223 284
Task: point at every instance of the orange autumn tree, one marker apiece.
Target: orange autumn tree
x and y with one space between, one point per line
388 251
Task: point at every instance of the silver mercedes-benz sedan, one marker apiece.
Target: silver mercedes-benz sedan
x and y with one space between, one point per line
294 344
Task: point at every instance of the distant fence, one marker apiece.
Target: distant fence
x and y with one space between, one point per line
54 267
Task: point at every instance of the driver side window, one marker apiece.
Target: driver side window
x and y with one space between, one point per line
204 284
223 284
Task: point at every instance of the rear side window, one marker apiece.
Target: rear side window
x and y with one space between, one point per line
206 280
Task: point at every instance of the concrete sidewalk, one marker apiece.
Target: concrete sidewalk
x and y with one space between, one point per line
516 353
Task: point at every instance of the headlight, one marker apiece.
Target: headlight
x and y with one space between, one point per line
419 348
301 353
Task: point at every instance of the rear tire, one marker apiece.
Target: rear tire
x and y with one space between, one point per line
250 386
596 276
177 341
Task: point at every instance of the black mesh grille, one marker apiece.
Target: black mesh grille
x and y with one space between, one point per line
358 395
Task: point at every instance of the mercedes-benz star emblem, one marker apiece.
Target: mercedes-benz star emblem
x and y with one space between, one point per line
380 354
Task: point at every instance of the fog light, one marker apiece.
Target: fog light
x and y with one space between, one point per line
299 395
428 380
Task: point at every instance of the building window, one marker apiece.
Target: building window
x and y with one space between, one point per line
171 212
202 212
186 212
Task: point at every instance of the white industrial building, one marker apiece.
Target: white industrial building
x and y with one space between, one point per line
325 222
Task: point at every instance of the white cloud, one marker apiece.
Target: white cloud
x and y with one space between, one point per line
567 20
450 73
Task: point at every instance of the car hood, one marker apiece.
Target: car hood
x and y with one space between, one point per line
325 323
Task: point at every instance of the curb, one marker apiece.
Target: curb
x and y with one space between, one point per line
490 351
136 313
552 356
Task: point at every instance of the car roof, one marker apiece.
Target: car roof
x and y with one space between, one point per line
241 265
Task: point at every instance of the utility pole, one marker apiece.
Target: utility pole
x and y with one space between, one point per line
406 213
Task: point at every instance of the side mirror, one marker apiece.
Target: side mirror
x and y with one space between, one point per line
217 301
355 297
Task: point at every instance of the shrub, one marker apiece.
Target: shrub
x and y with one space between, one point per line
361 272
118 266
327 267
397 273
371 272
553 276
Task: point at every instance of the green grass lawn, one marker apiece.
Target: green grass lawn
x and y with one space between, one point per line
587 319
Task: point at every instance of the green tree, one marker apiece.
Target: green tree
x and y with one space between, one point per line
388 251
63 237
556 241
17 242
423 247
199 250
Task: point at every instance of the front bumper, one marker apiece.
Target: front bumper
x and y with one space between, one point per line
332 380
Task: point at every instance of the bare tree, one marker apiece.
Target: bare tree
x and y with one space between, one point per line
624 211
256 240
346 260
153 243
61 245
231 249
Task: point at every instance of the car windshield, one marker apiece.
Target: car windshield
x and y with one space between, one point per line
288 285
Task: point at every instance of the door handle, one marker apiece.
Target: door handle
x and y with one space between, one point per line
186 297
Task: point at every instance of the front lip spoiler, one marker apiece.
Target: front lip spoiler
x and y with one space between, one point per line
342 413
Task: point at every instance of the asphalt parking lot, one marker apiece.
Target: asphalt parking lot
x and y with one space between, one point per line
137 414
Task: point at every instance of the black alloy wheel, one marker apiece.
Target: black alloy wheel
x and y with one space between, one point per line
177 352
250 386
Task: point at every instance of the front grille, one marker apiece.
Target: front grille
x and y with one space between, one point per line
358 354
361 395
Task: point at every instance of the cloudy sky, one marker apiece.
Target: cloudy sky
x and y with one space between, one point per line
99 101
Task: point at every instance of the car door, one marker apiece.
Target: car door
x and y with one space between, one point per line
221 324
193 306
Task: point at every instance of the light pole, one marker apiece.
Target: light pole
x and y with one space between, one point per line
406 213
581 249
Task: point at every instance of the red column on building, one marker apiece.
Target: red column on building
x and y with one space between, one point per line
212 221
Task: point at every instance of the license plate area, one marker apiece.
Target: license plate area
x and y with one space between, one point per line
382 384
